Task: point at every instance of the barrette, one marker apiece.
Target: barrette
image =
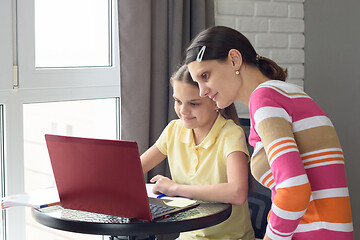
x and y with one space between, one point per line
258 57
201 54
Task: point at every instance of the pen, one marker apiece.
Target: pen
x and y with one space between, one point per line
161 195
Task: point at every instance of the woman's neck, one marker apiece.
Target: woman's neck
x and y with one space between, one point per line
252 77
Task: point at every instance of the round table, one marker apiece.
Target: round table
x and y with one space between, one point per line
205 215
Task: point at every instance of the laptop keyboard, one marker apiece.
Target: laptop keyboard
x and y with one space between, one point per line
84 216
159 209
78 215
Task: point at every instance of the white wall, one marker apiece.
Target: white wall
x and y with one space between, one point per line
275 28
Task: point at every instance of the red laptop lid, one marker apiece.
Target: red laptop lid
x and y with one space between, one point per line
97 175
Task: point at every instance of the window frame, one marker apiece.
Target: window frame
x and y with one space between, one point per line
31 77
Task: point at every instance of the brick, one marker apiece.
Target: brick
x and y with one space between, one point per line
296 71
296 41
296 10
287 25
252 24
263 52
271 9
228 21
275 28
287 55
235 7
271 40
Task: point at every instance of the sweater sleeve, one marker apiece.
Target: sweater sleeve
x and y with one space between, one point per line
272 125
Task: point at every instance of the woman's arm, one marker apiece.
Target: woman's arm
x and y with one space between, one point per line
151 158
235 191
274 115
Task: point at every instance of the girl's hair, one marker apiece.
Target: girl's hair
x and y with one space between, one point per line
183 75
219 40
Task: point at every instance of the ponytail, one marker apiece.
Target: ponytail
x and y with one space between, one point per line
270 69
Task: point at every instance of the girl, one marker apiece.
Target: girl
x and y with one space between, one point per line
208 159
297 153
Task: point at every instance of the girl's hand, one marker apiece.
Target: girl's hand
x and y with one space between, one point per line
164 185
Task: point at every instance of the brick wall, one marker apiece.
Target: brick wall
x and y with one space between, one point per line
274 27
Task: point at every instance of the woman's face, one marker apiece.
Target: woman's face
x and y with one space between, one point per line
217 80
194 111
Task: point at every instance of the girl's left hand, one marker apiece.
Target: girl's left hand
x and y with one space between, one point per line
164 185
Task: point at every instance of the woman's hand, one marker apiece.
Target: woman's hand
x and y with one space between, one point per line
164 185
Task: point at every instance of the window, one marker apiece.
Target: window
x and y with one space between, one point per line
52 83
64 38
95 118
83 118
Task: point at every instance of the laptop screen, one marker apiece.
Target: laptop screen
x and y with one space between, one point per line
98 175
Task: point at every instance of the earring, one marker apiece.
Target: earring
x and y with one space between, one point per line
237 72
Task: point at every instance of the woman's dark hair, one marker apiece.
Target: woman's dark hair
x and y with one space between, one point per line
183 75
219 40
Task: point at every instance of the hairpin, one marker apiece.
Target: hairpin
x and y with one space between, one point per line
201 54
258 58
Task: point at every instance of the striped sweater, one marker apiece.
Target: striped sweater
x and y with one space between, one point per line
298 156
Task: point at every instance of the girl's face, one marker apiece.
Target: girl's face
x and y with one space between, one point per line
217 80
194 111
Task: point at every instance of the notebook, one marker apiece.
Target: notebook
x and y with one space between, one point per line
103 176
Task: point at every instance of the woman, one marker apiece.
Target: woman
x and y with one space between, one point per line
297 153
208 159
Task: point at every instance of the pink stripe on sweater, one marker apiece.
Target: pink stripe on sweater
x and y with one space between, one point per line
324 177
305 108
282 225
253 137
267 97
323 234
287 166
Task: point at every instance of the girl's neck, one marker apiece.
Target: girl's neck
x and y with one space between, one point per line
199 134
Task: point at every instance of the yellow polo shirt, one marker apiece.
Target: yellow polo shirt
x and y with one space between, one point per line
206 164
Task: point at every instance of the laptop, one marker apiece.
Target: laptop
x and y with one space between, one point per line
103 176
